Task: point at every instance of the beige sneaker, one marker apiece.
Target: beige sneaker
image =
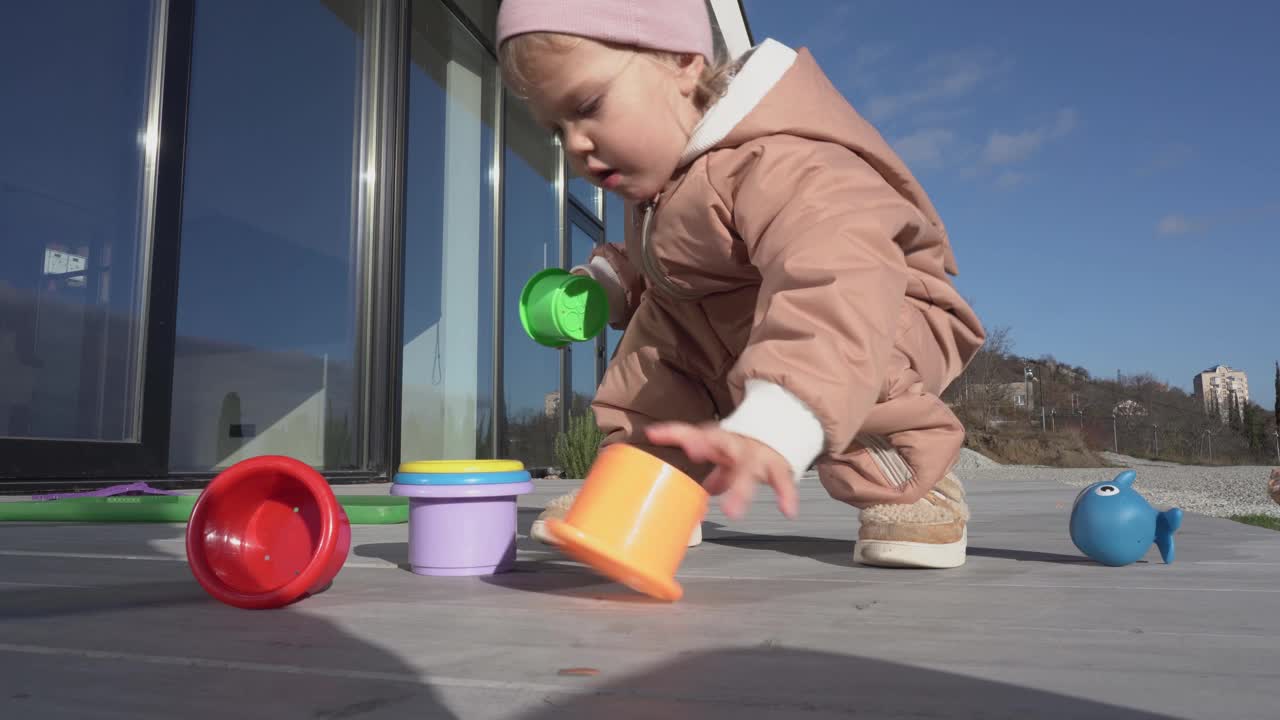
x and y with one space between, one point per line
559 507
932 532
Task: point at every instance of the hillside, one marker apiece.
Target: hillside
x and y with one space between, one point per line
1072 415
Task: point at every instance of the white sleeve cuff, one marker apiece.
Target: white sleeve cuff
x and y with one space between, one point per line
601 271
774 416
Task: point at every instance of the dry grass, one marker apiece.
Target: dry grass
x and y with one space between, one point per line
1065 448
1264 521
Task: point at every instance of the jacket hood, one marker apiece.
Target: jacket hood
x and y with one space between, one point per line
780 91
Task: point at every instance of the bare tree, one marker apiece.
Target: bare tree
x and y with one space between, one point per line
981 390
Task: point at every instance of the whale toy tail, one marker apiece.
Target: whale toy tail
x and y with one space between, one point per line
1167 523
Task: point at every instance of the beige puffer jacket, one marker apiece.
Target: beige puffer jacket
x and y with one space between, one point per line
787 280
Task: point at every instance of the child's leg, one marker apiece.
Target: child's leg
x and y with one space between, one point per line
914 512
930 531
641 389
643 386
898 463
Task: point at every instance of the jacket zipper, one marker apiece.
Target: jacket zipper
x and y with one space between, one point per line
649 264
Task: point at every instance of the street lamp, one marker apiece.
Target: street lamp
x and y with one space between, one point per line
1027 376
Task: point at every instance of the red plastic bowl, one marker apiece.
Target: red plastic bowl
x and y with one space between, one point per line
267 532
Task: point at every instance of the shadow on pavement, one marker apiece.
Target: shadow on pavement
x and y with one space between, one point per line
825 550
777 682
396 553
150 644
1029 556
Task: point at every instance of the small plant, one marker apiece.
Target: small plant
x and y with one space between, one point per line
576 449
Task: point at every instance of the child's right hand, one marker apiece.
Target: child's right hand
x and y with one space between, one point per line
741 464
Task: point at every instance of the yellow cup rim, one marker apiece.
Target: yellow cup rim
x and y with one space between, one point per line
435 467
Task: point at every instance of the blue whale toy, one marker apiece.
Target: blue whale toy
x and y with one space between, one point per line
1114 525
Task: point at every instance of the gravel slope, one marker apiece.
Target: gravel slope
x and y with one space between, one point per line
972 460
1209 490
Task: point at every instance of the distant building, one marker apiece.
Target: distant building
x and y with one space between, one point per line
551 404
1216 385
1014 393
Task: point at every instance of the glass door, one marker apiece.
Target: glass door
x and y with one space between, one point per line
268 356
530 412
88 235
584 362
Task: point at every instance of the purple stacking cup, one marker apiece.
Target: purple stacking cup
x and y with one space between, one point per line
462 515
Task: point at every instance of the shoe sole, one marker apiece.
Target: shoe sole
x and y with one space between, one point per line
538 531
903 554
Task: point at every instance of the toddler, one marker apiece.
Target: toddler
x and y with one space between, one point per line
784 284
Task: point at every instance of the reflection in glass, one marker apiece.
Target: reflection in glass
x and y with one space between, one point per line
77 153
265 351
586 194
448 288
583 378
614 232
531 372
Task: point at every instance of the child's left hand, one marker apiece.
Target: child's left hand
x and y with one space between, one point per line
741 463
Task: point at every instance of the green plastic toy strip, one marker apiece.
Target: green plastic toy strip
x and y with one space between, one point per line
361 509
375 509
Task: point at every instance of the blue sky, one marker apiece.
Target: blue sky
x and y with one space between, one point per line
1109 176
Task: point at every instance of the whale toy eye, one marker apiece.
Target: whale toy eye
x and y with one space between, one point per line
1107 490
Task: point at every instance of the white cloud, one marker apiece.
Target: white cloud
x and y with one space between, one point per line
1010 179
1175 225
1168 157
831 29
1180 224
1065 122
1009 148
861 70
1003 149
940 117
944 77
924 147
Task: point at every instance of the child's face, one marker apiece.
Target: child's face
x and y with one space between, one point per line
624 116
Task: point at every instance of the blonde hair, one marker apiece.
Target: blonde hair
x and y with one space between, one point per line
516 54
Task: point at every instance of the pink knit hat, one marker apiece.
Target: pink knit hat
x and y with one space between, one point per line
680 26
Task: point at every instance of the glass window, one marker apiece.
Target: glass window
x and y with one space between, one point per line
75 211
448 271
482 13
614 232
531 372
719 49
586 194
583 374
266 325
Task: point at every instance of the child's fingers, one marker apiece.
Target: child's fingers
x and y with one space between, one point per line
737 496
667 432
681 436
700 444
717 482
788 497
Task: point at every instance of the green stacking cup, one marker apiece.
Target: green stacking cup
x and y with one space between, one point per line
558 307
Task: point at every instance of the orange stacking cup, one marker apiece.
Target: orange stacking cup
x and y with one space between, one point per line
632 520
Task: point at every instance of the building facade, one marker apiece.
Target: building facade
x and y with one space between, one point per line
1220 387
231 228
995 395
